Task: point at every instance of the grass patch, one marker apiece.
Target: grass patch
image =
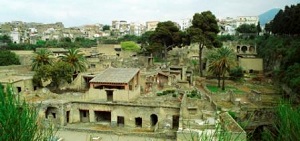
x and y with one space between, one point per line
215 89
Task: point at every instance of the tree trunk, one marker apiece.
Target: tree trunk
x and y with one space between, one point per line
223 83
219 80
200 59
165 53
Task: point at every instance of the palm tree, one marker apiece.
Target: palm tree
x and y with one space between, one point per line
213 66
42 57
221 60
76 60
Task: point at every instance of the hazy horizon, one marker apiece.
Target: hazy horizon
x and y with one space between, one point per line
81 12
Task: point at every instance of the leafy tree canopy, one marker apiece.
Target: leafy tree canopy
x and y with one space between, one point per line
76 60
204 31
287 21
58 73
106 27
247 28
5 39
8 58
130 46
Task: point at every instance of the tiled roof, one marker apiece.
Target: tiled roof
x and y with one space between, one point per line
115 75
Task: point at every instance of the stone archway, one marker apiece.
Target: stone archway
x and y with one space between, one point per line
154 119
51 113
251 49
244 49
258 131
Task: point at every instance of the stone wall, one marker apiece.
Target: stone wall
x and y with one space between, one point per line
118 95
70 113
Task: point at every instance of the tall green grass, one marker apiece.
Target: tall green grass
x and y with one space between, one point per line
19 120
286 126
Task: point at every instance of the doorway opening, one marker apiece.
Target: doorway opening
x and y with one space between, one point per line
154 119
103 116
120 121
138 122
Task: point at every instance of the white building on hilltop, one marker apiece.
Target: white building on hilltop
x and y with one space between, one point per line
185 23
247 20
228 25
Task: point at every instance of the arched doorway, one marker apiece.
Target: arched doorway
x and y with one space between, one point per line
251 49
51 113
257 134
244 49
154 119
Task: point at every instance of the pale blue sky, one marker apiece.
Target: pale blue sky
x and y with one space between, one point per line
80 12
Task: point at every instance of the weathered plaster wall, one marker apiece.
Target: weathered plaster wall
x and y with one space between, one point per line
129 112
251 63
118 95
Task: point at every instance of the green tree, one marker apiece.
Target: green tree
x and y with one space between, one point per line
247 28
41 57
19 121
167 35
221 61
286 22
258 28
129 38
130 46
40 43
8 58
5 39
292 76
145 41
58 73
204 31
76 60
236 73
61 72
106 27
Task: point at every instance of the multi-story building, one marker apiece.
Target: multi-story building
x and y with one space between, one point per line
185 23
136 29
120 28
247 20
151 25
228 25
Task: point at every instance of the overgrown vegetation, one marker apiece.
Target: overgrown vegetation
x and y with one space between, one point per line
194 94
59 71
62 43
130 46
236 73
19 120
166 92
8 58
286 126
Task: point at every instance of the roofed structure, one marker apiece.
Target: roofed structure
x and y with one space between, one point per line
115 75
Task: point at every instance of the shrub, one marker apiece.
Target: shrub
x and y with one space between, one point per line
159 93
8 58
236 73
174 95
130 46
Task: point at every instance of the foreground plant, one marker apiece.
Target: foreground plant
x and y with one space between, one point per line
286 126
19 120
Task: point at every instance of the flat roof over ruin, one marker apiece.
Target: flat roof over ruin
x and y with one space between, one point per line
115 75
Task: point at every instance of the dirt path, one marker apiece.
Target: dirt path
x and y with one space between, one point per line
85 136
